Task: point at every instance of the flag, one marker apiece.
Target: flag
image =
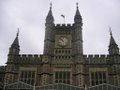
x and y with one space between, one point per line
62 16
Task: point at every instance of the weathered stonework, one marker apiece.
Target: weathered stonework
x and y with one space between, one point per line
63 60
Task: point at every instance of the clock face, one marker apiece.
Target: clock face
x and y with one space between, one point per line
63 41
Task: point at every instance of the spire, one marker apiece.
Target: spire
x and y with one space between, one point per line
50 18
112 41
113 47
77 18
15 43
77 11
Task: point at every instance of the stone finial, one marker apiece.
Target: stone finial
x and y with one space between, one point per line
18 32
50 5
77 5
110 31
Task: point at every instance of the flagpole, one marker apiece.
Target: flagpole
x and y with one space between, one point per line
64 20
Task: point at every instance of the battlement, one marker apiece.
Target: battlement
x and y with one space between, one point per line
30 56
95 56
63 25
96 59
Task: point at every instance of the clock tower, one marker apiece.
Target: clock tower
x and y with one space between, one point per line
63 47
63 39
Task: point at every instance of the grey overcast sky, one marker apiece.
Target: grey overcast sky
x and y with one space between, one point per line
29 16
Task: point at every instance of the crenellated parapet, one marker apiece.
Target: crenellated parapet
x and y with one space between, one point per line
63 25
63 28
30 56
28 59
96 59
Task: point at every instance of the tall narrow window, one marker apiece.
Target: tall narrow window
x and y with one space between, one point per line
98 77
62 77
27 77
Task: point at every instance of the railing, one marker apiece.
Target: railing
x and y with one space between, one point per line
58 86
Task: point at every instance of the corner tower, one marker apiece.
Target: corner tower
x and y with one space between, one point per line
12 56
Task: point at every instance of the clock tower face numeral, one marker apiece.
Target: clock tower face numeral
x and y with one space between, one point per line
63 41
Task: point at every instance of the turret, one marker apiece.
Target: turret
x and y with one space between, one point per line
113 47
13 52
14 49
78 17
50 18
77 34
49 33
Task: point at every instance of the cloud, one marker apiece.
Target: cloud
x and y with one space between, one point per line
29 16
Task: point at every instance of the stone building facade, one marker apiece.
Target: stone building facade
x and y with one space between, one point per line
63 60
